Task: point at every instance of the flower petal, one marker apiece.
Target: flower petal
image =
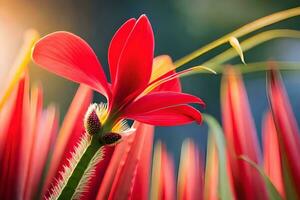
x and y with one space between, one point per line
272 158
128 166
120 176
190 176
40 131
161 68
116 46
288 132
69 56
13 134
163 175
142 180
120 150
135 64
44 139
159 100
170 116
241 137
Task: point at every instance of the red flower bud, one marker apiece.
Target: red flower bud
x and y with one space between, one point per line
92 122
110 138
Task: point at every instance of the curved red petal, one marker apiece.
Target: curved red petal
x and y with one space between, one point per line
126 164
116 46
163 183
140 188
69 56
135 64
272 158
161 69
190 180
177 115
286 127
160 100
171 85
240 134
126 174
10 152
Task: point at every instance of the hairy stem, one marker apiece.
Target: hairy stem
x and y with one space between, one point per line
82 165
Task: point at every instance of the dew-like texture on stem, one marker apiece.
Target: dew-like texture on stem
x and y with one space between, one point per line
69 135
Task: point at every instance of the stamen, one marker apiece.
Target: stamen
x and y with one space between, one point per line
102 112
121 127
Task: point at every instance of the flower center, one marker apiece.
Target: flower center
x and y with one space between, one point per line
97 124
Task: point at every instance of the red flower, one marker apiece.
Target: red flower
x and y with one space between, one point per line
130 59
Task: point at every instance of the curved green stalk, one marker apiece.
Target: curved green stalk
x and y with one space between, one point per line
252 42
256 67
78 173
244 30
216 62
263 66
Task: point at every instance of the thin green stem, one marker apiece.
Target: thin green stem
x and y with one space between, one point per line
244 30
252 42
82 165
253 67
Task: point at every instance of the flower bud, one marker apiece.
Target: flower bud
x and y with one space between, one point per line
110 138
91 121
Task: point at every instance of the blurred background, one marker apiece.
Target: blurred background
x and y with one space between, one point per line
180 27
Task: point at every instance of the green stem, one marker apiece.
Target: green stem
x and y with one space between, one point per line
79 170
